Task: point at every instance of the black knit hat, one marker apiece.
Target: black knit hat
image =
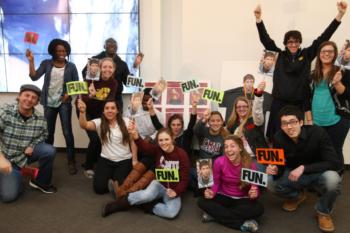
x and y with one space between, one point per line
53 44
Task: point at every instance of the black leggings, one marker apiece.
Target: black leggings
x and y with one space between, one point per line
231 212
107 169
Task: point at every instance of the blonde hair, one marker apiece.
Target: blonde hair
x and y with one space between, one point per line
234 116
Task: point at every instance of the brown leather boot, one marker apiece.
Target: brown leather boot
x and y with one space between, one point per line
143 182
133 176
115 206
292 204
325 222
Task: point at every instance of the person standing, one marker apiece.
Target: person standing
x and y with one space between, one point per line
57 72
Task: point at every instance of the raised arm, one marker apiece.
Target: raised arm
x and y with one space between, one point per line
84 124
328 32
154 118
257 111
30 58
265 39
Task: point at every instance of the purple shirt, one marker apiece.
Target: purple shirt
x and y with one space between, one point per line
227 178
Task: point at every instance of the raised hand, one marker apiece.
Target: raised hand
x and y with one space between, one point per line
29 55
342 6
257 13
261 86
337 77
92 90
81 106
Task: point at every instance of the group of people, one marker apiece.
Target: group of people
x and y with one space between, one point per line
309 119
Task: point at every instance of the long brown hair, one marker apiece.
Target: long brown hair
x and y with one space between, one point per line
246 160
317 74
106 130
234 116
223 131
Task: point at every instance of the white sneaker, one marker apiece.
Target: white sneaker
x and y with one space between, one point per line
89 174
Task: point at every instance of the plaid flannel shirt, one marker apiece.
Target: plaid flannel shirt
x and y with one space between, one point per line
16 134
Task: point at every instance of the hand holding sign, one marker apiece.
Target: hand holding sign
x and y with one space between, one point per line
171 193
208 194
92 90
29 55
253 192
81 106
271 169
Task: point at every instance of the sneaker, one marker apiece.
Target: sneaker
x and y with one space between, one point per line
72 169
250 226
325 222
292 204
206 218
43 188
89 174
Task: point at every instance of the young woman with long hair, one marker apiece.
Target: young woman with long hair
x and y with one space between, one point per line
329 97
167 156
100 91
231 201
118 149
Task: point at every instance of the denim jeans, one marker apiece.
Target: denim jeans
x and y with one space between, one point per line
155 190
11 184
65 112
327 184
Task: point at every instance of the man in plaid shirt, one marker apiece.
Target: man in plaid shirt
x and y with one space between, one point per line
23 131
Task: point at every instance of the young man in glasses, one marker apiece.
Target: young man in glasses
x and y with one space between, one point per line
310 162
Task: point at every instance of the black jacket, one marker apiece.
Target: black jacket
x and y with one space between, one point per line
341 102
292 71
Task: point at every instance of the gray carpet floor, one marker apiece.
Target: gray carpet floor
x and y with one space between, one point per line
76 208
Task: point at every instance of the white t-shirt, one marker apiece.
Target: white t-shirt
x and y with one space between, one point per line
55 87
114 149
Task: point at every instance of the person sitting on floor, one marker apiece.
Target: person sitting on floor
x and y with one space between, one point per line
230 201
167 156
23 131
118 150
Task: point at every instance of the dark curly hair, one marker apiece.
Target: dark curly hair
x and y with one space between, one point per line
53 44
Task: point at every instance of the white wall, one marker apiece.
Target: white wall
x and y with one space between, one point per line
217 40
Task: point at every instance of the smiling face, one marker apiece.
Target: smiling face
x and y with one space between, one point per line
291 126
27 100
233 151
107 69
61 53
327 54
242 108
165 142
110 111
293 45
215 123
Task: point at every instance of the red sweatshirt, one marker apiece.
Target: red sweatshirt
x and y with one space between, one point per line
177 159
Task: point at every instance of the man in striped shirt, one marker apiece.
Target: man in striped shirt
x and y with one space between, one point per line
23 131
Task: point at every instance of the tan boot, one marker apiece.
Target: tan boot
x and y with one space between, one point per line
133 176
143 182
292 204
325 222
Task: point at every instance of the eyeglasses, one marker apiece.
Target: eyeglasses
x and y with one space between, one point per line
291 123
327 51
290 42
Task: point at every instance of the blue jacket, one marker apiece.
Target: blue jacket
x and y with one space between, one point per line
70 74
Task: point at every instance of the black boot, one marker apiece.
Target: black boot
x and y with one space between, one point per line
115 206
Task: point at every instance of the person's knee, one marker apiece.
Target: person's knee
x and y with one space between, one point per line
9 195
331 180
